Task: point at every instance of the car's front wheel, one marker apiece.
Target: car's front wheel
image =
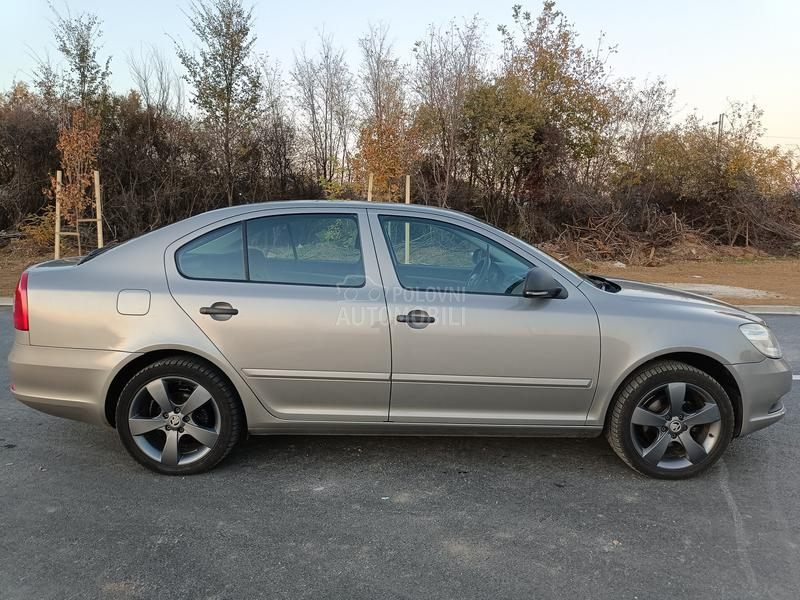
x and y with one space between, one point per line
670 420
178 416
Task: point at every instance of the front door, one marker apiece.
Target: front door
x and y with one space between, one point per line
306 333
467 347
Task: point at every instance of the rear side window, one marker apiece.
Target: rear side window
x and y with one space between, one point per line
218 254
314 249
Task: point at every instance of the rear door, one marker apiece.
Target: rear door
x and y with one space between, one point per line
467 347
289 297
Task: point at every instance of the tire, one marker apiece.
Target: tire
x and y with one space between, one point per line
670 420
179 416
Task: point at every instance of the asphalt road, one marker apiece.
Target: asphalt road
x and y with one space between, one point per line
345 517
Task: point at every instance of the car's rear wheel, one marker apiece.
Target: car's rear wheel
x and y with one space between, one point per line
178 416
670 420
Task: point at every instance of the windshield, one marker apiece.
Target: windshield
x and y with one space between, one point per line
96 252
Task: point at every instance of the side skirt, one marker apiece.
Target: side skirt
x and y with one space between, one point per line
425 429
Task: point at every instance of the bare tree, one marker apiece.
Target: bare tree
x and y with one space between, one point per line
277 132
324 87
382 92
158 85
448 62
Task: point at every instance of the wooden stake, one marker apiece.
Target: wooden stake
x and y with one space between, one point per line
78 232
408 225
58 216
98 199
369 189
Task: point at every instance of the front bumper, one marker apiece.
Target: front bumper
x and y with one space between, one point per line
762 386
65 382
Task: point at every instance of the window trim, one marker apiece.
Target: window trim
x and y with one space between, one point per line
392 256
245 251
242 223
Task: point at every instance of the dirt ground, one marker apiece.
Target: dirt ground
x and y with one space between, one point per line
15 257
780 276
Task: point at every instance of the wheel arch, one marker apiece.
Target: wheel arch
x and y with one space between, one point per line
129 369
705 363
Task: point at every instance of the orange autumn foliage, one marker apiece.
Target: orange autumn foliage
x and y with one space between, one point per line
78 144
387 150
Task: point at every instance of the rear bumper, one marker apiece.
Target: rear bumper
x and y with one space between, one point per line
762 386
64 382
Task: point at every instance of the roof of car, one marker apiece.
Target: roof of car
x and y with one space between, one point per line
241 208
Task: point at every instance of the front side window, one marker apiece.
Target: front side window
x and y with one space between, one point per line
311 249
434 255
218 254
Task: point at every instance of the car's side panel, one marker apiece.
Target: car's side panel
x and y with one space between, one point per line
489 358
310 352
74 382
75 309
65 382
638 330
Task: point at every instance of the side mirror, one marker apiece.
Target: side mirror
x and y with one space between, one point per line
540 284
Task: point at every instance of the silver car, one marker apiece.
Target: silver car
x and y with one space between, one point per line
321 317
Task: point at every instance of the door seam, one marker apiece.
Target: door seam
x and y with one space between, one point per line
386 304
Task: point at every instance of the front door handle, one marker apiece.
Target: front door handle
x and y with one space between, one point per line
416 319
219 311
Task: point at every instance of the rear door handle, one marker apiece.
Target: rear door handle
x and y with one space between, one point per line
220 311
416 317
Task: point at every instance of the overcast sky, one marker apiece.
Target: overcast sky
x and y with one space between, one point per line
710 51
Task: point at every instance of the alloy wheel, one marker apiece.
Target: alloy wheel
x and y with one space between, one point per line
675 426
174 421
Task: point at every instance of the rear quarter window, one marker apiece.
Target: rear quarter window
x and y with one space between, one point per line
218 254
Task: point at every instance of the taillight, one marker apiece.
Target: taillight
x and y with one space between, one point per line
21 303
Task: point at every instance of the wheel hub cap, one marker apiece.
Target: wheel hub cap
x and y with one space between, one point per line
174 420
675 425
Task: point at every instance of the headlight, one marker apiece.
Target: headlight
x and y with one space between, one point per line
762 338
